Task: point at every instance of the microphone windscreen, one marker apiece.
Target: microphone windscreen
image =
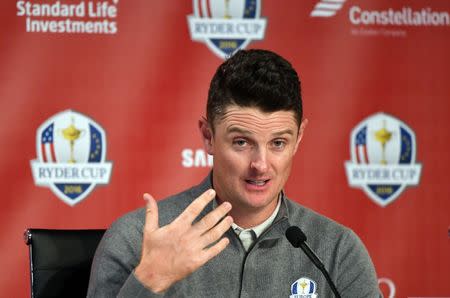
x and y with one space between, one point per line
295 236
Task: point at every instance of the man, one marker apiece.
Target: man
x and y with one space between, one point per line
225 237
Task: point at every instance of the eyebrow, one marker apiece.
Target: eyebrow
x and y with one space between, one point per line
247 132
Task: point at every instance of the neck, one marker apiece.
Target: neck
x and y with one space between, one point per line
247 217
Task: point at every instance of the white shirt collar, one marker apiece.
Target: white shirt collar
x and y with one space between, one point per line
259 229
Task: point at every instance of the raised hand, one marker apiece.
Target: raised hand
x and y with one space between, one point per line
172 252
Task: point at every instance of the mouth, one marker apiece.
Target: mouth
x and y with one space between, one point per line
259 182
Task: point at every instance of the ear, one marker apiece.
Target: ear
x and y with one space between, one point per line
207 135
301 131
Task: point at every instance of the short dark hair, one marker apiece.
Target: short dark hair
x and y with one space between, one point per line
254 78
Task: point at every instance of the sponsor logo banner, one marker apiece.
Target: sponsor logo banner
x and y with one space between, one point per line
383 156
226 26
196 158
367 20
71 153
69 17
327 8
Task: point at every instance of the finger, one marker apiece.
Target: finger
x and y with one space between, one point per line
194 209
151 214
212 218
216 249
217 232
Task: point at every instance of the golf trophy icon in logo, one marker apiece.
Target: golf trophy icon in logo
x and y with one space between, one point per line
227 10
303 284
71 133
383 136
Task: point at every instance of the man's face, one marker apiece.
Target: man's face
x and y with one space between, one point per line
253 153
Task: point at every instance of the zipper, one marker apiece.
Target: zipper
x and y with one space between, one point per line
275 223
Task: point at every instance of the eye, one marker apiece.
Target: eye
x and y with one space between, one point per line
279 144
240 142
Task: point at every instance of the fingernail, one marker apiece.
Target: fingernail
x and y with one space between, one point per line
227 205
212 192
146 197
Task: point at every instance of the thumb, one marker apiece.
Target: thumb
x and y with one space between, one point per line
151 214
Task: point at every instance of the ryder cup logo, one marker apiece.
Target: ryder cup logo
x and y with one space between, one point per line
71 152
226 25
303 288
383 152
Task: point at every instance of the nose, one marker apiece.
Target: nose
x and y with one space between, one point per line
259 161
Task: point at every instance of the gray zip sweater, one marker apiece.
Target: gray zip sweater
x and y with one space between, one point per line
268 269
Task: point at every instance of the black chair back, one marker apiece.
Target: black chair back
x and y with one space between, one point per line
60 261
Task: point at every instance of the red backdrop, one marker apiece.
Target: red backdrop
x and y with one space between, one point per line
146 85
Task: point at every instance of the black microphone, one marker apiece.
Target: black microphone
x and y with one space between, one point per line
298 239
